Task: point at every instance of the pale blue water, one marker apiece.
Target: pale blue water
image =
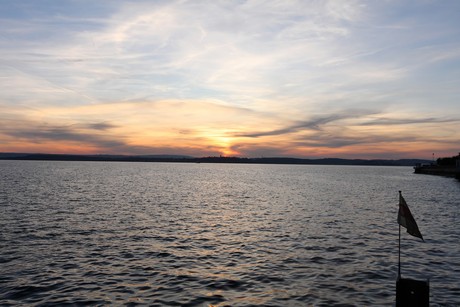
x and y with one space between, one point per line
159 234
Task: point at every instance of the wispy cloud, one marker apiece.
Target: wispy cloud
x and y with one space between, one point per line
237 77
409 121
314 123
63 134
101 126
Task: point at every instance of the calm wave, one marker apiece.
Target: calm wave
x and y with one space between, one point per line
158 234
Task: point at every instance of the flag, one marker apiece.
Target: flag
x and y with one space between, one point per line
405 218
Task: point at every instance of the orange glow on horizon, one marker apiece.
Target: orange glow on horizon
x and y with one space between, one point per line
209 128
382 152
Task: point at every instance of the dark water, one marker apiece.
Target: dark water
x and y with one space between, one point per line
94 233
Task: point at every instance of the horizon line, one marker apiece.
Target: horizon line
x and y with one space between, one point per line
180 156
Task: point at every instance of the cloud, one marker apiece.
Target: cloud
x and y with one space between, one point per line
239 52
39 134
408 121
347 139
189 49
188 126
241 73
101 126
315 123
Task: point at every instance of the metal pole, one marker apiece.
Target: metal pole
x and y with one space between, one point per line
399 253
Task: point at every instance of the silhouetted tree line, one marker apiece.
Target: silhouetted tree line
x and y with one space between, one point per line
211 159
449 161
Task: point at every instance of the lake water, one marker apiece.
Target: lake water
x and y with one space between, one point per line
171 234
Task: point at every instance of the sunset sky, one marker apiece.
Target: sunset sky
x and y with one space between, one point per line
348 79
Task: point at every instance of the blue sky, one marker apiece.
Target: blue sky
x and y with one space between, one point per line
368 79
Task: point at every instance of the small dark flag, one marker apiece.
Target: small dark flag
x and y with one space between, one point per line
405 218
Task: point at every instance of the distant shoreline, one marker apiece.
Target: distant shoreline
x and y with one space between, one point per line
187 159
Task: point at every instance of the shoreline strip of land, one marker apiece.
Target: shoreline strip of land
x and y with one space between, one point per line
219 159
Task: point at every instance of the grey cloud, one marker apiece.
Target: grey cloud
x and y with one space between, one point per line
38 134
313 124
344 139
316 123
338 141
34 132
101 126
184 131
409 121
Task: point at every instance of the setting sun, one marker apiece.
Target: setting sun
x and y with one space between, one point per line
306 79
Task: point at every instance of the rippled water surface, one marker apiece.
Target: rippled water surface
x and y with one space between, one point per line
164 234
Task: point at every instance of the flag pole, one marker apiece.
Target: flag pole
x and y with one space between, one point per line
409 292
399 254
399 244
